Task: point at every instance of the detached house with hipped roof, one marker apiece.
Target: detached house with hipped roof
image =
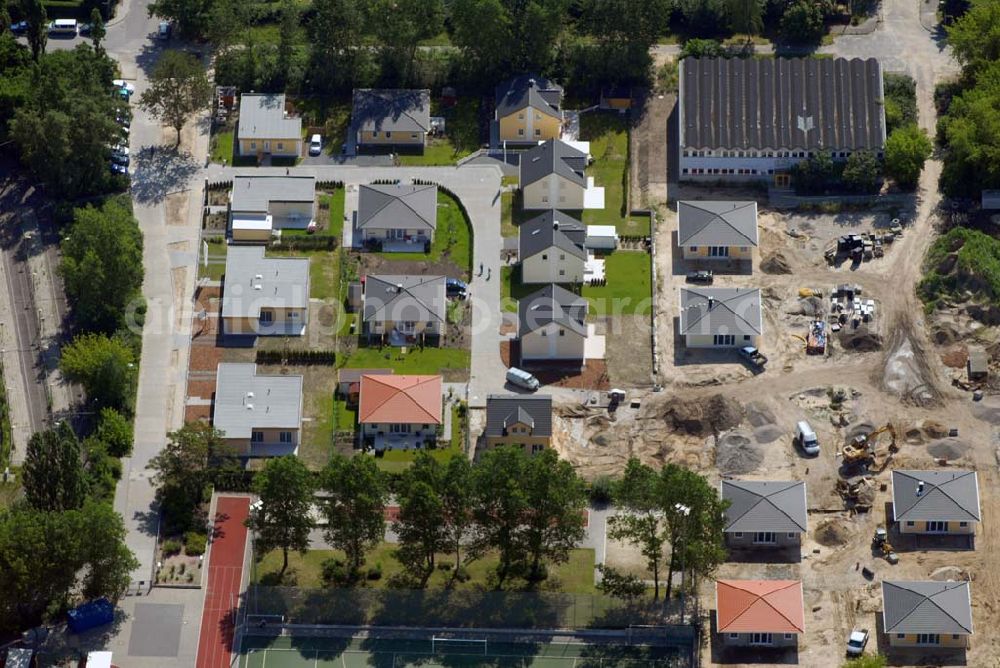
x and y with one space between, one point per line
927 614
400 412
521 420
267 128
528 110
720 317
551 249
717 230
765 513
759 613
553 176
391 117
936 502
404 309
552 326
397 218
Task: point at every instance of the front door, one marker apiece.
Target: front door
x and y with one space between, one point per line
267 146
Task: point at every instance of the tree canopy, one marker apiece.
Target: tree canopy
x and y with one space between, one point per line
906 150
355 506
104 366
285 488
52 476
178 88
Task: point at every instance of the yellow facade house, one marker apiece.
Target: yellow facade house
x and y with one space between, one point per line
390 117
927 614
258 415
264 296
717 230
267 128
529 110
519 420
944 502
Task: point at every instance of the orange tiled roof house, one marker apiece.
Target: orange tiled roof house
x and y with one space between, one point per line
759 613
400 412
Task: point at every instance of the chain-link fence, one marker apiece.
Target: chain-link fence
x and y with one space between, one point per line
455 608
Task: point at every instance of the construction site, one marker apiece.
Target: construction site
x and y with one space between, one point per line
848 350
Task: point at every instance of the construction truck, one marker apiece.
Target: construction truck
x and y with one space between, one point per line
881 546
862 451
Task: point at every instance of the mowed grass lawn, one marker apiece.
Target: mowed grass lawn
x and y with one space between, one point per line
576 576
429 360
512 289
607 133
330 225
452 238
324 266
628 289
222 146
461 135
394 461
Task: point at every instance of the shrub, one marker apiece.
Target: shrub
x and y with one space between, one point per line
702 48
334 571
462 574
375 572
601 489
195 543
170 548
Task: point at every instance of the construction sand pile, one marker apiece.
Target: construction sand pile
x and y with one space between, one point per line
736 453
704 416
860 340
947 448
832 533
768 433
949 574
903 375
776 263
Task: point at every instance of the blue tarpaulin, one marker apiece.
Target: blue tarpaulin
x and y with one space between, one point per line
91 615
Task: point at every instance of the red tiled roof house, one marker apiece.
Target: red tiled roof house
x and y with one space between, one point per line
400 412
759 613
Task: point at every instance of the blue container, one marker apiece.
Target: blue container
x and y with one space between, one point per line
91 615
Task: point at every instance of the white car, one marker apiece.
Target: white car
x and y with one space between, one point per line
857 641
124 85
315 145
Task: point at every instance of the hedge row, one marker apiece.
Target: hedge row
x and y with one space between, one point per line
307 357
310 242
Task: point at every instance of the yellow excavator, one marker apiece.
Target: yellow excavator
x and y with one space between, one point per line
862 450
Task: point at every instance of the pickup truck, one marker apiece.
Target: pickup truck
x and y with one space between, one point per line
753 356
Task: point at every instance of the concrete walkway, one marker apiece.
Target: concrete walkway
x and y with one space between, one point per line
478 187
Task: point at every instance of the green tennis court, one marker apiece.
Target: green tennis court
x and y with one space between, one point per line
285 652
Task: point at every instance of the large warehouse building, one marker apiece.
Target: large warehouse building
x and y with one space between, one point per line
753 119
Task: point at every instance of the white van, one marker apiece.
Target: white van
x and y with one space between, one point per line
63 27
806 438
522 378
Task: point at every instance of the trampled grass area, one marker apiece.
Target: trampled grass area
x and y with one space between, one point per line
576 576
428 360
608 136
628 289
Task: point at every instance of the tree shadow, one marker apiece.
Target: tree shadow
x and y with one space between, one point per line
159 172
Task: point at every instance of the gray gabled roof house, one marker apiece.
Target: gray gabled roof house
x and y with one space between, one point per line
720 316
259 415
408 304
716 224
553 157
552 229
927 613
765 505
393 212
529 91
391 116
518 419
552 304
938 501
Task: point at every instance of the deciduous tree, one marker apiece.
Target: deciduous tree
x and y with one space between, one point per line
115 431
400 25
178 88
975 37
638 520
284 520
906 150
97 29
422 524
803 23
557 500
104 366
355 506
861 172
53 475
34 13
456 501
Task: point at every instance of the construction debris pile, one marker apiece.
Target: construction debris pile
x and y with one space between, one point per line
862 247
859 494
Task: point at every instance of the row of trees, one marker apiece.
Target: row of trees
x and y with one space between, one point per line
968 128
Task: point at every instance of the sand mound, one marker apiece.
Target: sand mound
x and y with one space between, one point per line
949 573
735 453
767 433
956 357
776 263
759 415
832 533
947 448
698 417
934 429
860 340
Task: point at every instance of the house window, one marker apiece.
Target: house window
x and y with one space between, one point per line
520 132
545 256
789 636
562 256
413 135
562 332
281 146
388 135
256 437
900 636
718 251
963 524
734 636
285 437
764 538
760 638
685 170
545 332
937 527
520 116
545 198
421 233
266 317
253 146
738 534
538 132
791 535
928 639
694 249
954 636
399 429
910 524
536 448
724 339
562 272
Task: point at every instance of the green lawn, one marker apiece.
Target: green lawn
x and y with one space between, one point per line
216 267
452 239
395 461
222 146
430 360
628 289
324 271
507 228
608 136
511 288
576 576
461 135
335 416
333 226
637 225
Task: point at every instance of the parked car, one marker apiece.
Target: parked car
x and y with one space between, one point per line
522 378
701 276
756 358
19 28
63 27
857 641
124 85
315 145
163 30
118 169
120 159
85 29
456 288
806 438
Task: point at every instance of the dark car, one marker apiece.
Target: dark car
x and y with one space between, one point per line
19 28
85 29
702 276
456 288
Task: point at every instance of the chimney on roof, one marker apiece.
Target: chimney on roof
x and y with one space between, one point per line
920 488
555 224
